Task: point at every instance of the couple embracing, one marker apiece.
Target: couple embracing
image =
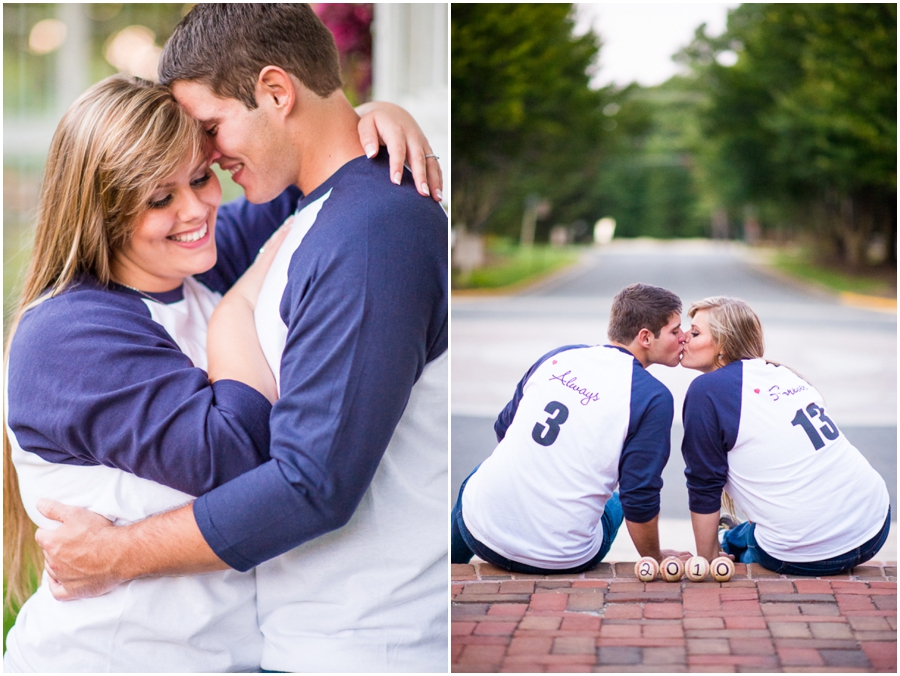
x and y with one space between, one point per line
569 468
241 426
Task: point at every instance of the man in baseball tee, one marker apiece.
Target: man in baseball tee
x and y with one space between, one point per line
584 421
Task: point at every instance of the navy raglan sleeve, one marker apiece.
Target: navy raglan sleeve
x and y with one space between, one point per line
646 448
91 383
712 413
241 229
504 420
364 317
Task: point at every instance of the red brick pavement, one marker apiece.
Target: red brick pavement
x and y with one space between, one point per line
606 620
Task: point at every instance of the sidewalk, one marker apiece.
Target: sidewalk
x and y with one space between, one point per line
605 620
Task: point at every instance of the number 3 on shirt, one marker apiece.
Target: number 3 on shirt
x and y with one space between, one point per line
558 415
829 429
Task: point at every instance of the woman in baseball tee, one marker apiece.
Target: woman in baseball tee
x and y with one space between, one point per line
762 434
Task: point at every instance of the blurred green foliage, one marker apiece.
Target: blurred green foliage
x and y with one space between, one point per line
526 122
802 263
524 119
785 127
646 178
28 77
804 125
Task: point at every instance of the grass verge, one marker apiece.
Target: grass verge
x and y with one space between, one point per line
800 263
9 618
10 614
509 265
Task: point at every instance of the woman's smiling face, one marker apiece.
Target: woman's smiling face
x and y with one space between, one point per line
175 236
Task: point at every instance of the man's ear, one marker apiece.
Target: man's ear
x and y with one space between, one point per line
643 338
275 89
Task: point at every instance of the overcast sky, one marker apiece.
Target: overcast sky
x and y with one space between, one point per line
639 39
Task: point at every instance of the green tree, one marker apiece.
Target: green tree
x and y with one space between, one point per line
647 180
525 119
804 124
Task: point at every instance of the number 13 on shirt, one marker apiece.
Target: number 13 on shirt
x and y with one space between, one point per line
829 429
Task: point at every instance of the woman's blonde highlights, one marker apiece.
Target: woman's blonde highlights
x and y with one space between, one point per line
114 146
734 327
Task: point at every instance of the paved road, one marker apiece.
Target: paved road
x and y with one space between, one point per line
849 353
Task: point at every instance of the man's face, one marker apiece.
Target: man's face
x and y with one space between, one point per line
244 142
667 348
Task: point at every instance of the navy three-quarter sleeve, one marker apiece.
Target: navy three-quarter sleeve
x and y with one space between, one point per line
93 380
646 448
712 415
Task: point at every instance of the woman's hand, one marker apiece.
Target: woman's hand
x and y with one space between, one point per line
681 555
381 121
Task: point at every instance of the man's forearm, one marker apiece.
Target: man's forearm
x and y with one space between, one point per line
166 544
646 537
86 555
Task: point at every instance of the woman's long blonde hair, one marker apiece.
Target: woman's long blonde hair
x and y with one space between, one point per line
114 146
737 333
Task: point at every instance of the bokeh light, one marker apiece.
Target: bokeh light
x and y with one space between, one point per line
47 36
133 50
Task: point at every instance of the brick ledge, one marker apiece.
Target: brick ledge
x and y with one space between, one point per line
869 572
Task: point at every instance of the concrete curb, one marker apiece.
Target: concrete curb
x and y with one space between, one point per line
888 305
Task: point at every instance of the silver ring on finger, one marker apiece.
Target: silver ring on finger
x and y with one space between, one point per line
432 155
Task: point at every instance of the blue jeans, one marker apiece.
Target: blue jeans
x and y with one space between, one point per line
741 542
463 546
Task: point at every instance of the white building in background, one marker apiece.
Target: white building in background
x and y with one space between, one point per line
410 67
